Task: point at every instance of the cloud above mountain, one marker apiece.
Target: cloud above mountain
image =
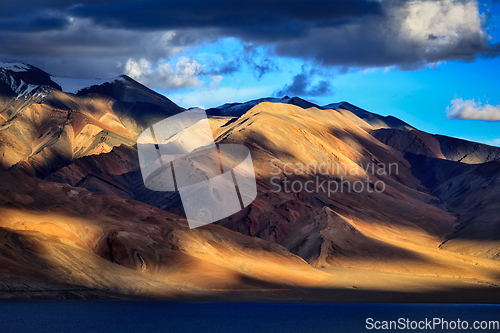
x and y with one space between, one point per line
301 86
69 37
165 76
470 109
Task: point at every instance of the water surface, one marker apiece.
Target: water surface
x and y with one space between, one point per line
103 316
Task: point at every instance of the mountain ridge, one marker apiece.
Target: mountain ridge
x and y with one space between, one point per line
75 212
42 132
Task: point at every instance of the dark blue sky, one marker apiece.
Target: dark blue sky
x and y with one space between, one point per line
432 63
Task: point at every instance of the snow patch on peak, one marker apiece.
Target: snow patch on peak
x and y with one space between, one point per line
74 85
24 89
14 66
18 86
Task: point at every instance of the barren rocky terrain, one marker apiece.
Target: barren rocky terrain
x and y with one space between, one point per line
76 220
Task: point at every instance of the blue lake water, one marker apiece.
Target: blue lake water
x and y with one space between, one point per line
102 316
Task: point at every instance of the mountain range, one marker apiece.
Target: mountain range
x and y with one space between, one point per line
77 222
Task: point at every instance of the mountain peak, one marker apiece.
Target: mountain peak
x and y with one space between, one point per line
238 109
70 85
19 79
15 66
375 120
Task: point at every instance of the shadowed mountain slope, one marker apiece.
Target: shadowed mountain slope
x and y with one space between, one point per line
470 192
343 196
43 128
376 121
308 224
438 146
239 109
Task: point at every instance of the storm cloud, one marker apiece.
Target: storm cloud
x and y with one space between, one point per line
301 86
102 38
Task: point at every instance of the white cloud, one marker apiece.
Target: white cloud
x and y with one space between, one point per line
164 76
216 79
470 109
440 24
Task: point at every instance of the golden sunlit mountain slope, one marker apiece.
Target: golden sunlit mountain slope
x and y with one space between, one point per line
43 128
336 207
381 229
55 233
398 231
